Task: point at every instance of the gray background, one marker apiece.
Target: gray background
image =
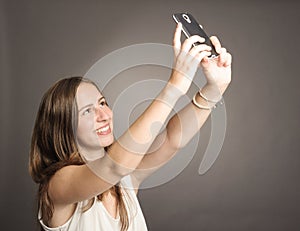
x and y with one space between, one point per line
254 184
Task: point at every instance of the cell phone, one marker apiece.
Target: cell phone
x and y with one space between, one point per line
190 27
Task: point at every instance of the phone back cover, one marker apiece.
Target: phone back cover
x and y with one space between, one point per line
192 27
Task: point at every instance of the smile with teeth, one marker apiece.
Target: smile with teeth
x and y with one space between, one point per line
104 130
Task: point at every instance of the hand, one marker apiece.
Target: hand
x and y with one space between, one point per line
218 70
187 59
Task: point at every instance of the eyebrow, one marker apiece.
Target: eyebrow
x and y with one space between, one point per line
89 105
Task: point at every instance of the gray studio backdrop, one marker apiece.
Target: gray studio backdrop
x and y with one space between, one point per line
253 185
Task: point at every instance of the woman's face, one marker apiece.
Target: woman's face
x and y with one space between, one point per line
95 122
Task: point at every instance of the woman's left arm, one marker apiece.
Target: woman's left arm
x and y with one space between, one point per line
182 127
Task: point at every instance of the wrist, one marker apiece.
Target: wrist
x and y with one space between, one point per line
180 80
213 92
201 103
170 94
208 97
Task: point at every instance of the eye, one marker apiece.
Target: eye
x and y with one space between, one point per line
103 103
87 111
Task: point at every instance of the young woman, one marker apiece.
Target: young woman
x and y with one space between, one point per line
87 180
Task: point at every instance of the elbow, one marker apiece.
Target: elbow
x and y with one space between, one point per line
177 145
122 162
109 169
175 141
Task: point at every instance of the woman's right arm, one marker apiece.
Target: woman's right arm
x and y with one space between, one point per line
76 183
127 152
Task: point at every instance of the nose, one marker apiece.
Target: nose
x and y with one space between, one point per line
102 114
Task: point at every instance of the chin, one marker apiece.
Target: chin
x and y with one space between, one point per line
107 142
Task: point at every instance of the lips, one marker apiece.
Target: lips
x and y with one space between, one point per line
103 130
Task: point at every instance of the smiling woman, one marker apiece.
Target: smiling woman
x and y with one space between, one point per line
94 117
87 180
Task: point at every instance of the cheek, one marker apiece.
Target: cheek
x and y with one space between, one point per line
85 125
111 118
109 112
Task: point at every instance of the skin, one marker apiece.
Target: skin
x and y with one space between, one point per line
93 114
187 122
77 183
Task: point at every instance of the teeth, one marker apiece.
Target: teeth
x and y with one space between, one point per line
103 129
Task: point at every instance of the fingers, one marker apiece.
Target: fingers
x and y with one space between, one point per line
187 52
202 47
228 60
196 53
202 55
224 58
216 42
199 52
188 43
176 40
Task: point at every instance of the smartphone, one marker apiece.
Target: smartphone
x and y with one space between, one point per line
190 27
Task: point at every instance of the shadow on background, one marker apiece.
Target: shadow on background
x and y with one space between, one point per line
254 183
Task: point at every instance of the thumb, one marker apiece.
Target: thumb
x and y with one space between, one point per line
205 62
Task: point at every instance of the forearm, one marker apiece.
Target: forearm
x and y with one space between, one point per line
130 148
187 122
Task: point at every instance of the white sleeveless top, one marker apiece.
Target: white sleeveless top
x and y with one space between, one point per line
97 218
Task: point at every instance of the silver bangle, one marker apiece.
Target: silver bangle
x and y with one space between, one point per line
199 105
208 100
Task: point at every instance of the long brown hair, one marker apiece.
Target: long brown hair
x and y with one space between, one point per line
53 144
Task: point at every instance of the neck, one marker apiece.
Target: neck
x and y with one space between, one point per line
89 155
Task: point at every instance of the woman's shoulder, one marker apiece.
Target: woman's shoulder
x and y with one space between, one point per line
68 169
59 179
60 192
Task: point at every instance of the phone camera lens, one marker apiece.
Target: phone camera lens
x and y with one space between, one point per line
186 18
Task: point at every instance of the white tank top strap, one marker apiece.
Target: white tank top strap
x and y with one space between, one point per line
69 225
